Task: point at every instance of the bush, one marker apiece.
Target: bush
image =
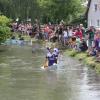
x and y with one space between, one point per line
4 33
4 29
4 21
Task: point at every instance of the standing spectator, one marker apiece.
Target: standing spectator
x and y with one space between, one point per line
65 36
60 33
90 34
82 29
79 34
46 31
70 32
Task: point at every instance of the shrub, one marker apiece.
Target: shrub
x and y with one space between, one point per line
4 21
4 33
4 29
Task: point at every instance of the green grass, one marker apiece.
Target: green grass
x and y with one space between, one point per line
90 61
81 56
97 68
71 53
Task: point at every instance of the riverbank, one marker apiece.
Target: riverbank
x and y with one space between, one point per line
3 47
82 56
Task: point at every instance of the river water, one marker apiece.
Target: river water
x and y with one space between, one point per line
21 78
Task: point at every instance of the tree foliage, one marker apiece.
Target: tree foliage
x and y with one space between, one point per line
62 9
48 10
4 29
4 21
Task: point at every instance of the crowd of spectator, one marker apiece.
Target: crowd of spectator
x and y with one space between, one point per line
75 37
22 28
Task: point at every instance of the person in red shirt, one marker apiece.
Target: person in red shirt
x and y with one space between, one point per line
78 33
46 31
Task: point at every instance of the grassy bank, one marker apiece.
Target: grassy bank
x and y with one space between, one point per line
90 61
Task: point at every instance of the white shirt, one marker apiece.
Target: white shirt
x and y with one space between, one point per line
65 34
70 33
49 54
56 50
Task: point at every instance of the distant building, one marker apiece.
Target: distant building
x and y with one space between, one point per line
93 13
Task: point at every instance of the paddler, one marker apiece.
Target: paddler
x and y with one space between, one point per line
50 58
56 54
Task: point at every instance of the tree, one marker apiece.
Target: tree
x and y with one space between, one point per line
62 9
4 29
48 10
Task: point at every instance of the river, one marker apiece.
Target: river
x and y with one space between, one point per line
21 78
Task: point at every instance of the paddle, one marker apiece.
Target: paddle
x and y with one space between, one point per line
46 63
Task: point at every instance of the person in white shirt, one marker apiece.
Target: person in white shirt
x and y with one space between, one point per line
56 54
70 32
65 36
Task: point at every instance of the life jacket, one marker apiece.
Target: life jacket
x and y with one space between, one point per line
51 59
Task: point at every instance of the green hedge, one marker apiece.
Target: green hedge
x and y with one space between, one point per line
4 33
4 29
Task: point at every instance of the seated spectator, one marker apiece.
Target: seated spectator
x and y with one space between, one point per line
92 52
72 42
83 46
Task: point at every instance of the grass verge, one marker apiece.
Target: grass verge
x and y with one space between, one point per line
90 61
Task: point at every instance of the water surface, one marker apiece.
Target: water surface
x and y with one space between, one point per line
21 78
